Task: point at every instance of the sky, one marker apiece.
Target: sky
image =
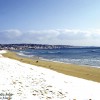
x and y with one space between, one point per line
65 22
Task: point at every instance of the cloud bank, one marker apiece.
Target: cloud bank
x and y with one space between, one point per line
58 36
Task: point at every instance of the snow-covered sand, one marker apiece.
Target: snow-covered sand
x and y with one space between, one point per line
29 82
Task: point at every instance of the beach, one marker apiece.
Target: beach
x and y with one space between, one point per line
33 82
85 72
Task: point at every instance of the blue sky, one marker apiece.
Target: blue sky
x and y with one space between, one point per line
73 22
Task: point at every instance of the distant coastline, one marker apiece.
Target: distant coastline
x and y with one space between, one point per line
38 46
32 46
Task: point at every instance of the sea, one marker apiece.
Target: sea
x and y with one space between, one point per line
89 56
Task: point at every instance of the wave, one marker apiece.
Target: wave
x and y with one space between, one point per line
25 55
26 52
54 52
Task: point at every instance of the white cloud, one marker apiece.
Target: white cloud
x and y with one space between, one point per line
44 34
10 33
58 36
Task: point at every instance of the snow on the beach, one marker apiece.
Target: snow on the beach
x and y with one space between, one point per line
2 51
29 82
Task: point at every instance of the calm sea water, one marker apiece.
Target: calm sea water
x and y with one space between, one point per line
80 56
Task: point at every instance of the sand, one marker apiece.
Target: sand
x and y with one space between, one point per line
29 82
85 72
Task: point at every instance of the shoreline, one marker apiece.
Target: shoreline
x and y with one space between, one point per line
69 63
85 72
40 58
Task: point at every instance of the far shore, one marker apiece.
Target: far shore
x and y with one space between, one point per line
85 72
